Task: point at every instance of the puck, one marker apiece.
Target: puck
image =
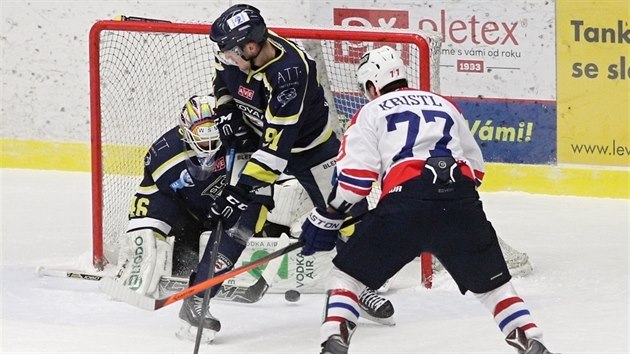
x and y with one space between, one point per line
292 295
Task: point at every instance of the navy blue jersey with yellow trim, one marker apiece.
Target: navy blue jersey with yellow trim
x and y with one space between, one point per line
170 187
284 102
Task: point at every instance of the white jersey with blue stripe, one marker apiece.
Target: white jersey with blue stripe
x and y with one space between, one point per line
391 137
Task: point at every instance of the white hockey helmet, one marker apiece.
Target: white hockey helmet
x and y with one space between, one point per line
198 127
380 66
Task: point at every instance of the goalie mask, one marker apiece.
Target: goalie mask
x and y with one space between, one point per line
200 134
380 66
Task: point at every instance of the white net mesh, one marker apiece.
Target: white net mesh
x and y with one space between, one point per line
148 69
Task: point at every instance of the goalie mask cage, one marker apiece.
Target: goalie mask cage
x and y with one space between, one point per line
141 71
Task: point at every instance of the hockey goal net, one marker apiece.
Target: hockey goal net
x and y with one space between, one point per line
142 70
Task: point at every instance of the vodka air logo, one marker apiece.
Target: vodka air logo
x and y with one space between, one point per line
351 51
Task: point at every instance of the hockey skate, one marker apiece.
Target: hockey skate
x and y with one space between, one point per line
338 343
376 308
189 318
518 340
334 345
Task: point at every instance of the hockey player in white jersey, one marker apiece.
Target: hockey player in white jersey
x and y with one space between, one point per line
417 144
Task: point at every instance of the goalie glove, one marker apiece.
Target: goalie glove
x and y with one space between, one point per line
228 206
320 231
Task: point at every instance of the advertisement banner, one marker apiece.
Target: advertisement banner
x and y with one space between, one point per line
306 274
497 62
522 132
594 82
489 48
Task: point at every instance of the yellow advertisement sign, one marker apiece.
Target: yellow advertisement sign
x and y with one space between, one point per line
593 73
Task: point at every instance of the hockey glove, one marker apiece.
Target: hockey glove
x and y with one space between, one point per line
228 206
232 129
320 231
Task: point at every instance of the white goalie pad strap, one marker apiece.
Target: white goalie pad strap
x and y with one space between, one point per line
291 202
296 226
240 160
148 223
323 174
145 259
204 238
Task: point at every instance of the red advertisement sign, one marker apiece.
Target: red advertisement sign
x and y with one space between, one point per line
351 51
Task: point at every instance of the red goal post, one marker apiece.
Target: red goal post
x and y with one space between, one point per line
142 70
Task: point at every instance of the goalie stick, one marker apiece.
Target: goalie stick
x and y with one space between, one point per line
122 293
218 233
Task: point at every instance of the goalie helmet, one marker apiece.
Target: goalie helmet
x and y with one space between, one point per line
198 128
380 66
237 26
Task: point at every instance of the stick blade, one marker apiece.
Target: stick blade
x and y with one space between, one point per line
121 293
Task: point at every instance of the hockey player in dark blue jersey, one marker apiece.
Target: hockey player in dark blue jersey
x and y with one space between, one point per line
269 84
184 172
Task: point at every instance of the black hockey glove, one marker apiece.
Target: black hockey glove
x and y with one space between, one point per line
232 129
320 231
228 206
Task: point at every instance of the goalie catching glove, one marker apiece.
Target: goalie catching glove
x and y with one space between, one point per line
320 231
228 206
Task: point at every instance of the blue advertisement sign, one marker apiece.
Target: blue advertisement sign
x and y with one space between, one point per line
513 131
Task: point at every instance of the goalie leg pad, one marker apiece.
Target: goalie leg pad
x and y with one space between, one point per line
148 257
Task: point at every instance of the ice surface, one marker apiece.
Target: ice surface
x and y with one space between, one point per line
578 292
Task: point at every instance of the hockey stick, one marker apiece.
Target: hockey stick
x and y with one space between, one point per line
218 231
171 285
122 293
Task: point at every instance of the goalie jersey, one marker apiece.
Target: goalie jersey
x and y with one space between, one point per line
283 102
391 137
173 186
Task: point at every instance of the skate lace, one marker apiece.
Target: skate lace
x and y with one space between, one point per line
197 303
371 299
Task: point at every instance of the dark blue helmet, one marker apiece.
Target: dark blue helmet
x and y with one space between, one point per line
237 26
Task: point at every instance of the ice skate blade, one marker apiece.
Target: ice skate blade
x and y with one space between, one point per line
387 321
187 332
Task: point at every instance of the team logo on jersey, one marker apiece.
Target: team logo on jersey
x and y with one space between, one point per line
223 263
286 96
214 189
147 159
184 180
245 92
